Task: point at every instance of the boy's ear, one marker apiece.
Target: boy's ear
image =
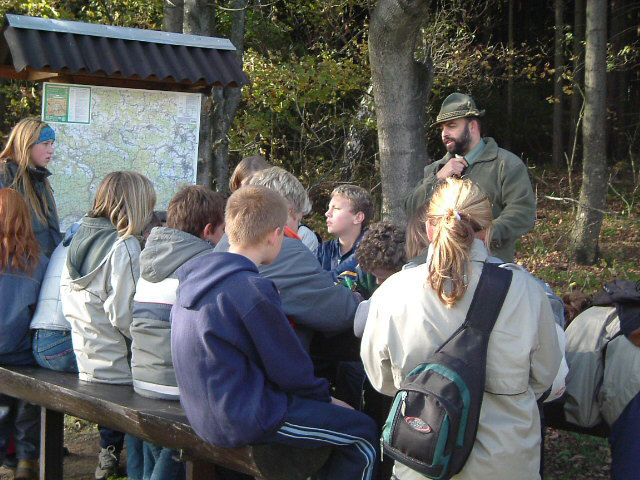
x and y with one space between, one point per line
359 218
208 232
272 238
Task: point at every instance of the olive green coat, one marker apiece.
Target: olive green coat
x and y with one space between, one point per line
504 178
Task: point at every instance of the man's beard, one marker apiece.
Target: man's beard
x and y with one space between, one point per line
459 145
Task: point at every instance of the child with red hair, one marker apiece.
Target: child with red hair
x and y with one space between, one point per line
22 267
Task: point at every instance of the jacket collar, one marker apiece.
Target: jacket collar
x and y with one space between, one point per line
489 153
37 173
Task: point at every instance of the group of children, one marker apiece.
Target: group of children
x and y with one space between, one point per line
263 332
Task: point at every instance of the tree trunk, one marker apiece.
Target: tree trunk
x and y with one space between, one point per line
225 102
218 109
353 144
509 139
577 98
618 80
173 16
398 82
199 19
558 150
584 237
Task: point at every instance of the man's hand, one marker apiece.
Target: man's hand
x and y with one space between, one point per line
340 403
454 166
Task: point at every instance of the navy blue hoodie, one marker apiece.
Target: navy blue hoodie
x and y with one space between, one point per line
235 355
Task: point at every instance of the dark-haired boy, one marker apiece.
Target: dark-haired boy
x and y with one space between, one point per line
194 223
244 376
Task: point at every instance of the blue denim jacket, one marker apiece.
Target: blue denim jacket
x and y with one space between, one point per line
18 297
333 261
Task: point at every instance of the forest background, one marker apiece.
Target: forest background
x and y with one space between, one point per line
310 106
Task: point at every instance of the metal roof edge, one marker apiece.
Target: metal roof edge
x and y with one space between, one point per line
124 33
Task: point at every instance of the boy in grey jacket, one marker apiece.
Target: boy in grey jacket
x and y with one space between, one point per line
195 223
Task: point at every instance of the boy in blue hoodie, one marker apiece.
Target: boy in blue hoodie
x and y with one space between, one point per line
243 374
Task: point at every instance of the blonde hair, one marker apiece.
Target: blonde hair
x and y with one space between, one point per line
252 212
457 211
127 200
24 135
247 167
286 184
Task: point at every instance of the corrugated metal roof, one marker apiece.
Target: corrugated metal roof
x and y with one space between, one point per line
86 49
112 31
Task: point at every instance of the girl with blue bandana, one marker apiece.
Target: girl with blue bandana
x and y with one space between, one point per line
23 167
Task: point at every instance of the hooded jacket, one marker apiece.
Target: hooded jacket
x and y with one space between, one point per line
310 298
100 277
19 292
49 314
151 365
604 368
237 360
407 322
47 233
504 178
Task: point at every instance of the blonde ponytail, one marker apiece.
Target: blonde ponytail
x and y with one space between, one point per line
458 210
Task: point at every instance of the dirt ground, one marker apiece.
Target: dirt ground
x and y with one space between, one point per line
83 441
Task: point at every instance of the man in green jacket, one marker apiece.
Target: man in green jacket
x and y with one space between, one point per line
500 173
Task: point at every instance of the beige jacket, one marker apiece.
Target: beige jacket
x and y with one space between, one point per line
99 307
597 389
407 322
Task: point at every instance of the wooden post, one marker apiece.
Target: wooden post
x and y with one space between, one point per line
51 444
199 470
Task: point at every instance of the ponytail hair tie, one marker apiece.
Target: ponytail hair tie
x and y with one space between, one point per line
454 213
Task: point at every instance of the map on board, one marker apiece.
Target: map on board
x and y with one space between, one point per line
151 132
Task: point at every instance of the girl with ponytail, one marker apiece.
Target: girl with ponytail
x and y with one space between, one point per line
416 310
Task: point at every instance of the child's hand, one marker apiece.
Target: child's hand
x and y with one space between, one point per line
340 403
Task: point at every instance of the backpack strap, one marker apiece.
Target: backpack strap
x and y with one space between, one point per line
488 298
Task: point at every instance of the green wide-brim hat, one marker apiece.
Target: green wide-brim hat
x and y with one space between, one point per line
457 105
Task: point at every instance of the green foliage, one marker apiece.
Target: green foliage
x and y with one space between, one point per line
308 64
130 13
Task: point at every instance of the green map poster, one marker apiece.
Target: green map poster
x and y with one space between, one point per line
151 132
66 103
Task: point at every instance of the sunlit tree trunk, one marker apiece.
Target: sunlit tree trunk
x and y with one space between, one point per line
584 237
173 15
399 91
218 109
225 102
199 19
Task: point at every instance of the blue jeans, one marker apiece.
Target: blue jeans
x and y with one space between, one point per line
53 349
625 442
110 437
352 434
146 461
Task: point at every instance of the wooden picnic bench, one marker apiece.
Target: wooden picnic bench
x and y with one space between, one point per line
157 421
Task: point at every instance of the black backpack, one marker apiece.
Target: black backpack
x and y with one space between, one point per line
433 421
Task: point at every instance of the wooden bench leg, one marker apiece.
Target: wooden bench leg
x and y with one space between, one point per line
198 470
51 444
